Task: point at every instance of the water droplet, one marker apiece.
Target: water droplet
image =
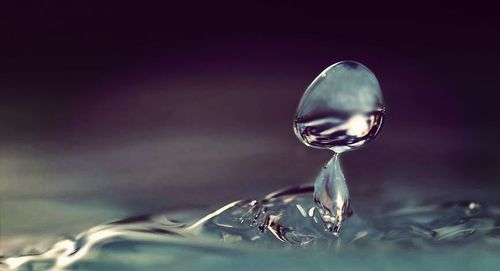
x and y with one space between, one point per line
341 110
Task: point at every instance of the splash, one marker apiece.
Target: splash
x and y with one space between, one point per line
288 217
341 110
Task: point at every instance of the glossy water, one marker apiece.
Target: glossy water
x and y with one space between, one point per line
291 229
276 230
341 110
331 195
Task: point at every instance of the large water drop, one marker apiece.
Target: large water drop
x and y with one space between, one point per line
341 110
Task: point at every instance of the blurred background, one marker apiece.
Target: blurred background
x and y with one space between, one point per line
112 110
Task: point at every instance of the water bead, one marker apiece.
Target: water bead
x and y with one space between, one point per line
341 110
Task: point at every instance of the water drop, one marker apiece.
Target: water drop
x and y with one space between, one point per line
341 110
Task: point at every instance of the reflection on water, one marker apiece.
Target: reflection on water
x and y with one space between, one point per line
275 230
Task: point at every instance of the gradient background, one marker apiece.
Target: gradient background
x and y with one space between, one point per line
115 110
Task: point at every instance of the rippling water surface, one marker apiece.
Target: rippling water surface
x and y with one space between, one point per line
284 230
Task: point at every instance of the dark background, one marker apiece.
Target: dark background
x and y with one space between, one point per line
148 107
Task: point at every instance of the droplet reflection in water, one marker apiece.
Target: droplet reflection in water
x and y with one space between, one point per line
341 110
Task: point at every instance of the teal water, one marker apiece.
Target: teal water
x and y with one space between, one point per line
283 231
